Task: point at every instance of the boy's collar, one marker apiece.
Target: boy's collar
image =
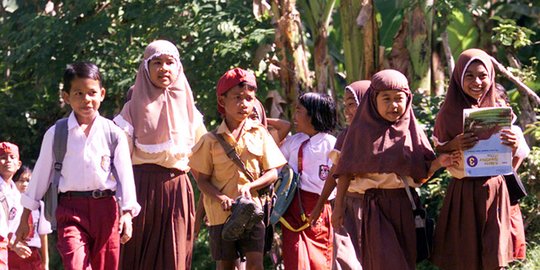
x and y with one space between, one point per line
249 124
72 120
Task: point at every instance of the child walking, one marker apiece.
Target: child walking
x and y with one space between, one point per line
9 202
473 229
39 228
346 234
162 124
88 220
307 153
221 180
385 147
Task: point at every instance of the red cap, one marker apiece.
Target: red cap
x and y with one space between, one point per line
231 79
9 148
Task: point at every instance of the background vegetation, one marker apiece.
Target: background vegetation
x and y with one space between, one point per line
293 46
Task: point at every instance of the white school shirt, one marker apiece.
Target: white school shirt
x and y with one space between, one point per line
86 165
13 197
316 161
9 223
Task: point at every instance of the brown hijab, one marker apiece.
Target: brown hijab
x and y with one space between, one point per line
358 89
449 121
258 108
160 119
374 145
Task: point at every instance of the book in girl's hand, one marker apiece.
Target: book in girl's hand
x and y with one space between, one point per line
488 157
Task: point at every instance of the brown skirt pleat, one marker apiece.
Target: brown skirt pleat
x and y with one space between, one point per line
347 238
473 228
163 230
388 230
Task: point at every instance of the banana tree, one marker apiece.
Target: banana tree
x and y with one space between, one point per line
360 39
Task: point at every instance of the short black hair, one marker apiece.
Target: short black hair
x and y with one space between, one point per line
322 110
22 170
87 70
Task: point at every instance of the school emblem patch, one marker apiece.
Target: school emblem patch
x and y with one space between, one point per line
12 213
324 170
106 163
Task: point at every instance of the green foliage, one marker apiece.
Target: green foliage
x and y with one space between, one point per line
389 16
212 36
509 34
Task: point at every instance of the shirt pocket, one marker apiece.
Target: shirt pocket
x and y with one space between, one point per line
255 146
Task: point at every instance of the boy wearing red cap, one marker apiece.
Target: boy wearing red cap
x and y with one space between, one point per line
222 181
10 199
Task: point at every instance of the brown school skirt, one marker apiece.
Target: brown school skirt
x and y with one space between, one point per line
163 230
388 230
473 229
347 238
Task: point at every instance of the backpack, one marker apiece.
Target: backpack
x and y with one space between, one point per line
59 151
285 188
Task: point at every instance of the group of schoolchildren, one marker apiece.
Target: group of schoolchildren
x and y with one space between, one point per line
137 192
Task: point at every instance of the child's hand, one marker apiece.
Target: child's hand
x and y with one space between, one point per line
509 138
463 141
125 227
245 191
337 217
315 214
226 202
449 160
21 249
22 231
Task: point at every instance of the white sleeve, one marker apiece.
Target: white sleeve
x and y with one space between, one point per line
122 163
44 226
39 182
523 149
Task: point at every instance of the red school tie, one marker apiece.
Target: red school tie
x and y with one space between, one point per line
31 226
300 156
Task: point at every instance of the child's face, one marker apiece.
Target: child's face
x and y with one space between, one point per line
22 183
238 102
349 102
476 80
302 120
9 164
163 70
84 97
391 104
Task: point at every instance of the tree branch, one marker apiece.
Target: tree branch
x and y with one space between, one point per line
521 87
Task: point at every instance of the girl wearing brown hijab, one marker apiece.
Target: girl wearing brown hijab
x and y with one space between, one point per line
383 148
473 230
162 124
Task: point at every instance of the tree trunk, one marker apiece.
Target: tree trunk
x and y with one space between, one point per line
293 65
318 15
411 51
360 43
419 46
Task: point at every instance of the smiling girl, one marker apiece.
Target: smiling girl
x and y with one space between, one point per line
473 229
309 247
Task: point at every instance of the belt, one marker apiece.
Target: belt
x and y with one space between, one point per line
96 194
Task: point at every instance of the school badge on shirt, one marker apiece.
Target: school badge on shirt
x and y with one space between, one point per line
324 170
106 163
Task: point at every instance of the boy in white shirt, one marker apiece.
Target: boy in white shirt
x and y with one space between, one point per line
9 199
89 225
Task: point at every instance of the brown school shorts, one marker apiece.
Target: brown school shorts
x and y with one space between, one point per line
231 250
